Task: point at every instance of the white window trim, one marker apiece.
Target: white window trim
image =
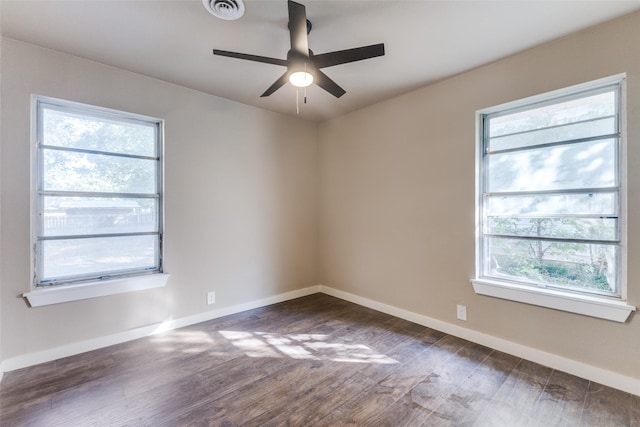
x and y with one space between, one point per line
47 295
588 305
615 309
66 293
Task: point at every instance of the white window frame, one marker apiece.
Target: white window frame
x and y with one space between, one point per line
607 307
83 287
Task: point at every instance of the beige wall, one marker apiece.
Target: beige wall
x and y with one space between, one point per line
241 200
1 357
397 197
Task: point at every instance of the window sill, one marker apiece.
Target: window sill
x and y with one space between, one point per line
60 294
594 306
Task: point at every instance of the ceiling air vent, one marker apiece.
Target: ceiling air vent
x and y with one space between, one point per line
225 9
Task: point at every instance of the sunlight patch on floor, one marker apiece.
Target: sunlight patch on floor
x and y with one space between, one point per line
303 346
185 341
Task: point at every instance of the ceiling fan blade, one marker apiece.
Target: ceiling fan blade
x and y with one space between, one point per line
248 57
349 55
322 80
276 85
298 29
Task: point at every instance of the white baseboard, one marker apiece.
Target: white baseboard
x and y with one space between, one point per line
592 373
31 359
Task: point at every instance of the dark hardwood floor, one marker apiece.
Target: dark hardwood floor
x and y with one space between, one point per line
313 361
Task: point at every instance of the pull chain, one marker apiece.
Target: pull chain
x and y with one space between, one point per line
306 76
297 101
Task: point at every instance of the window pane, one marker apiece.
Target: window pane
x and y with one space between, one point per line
101 256
562 228
583 165
68 171
98 215
587 267
598 127
553 204
74 130
559 113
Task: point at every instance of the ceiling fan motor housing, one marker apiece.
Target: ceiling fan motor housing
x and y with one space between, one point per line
297 61
225 9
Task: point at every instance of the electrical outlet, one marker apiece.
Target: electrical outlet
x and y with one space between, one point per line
462 312
211 297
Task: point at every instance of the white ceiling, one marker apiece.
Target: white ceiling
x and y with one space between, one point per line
425 41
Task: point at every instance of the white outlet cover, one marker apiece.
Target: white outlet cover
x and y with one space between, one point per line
462 312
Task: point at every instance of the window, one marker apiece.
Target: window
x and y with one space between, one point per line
551 195
97 194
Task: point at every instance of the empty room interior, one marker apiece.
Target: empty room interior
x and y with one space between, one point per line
431 218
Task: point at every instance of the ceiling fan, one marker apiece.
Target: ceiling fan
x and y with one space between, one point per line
303 66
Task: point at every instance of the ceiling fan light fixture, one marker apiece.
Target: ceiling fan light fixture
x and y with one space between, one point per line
301 79
225 9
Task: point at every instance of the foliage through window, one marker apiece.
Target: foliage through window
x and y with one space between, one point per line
550 188
98 195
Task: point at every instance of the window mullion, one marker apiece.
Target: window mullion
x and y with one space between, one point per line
554 144
552 239
96 194
97 152
98 236
551 192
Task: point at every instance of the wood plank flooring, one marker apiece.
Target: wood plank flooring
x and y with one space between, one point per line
313 361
